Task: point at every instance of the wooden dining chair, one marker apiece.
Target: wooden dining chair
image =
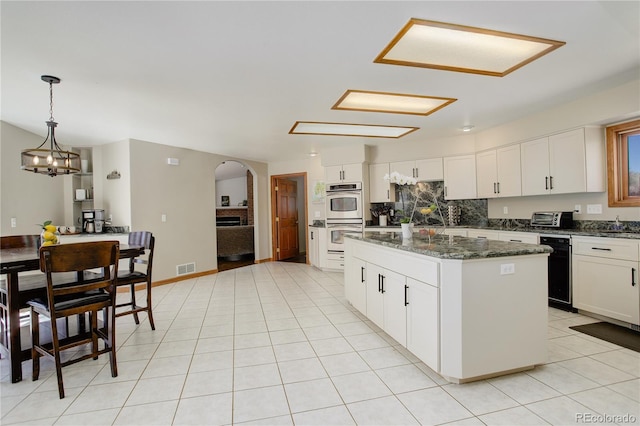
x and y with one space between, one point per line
134 276
29 288
77 298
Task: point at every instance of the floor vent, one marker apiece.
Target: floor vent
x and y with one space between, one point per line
187 268
634 327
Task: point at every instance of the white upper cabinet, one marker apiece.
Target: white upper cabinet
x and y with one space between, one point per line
380 190
564 163
498 172
424 170
344 173
460 177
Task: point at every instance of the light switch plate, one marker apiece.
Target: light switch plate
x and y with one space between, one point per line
594 208
14 222
316 214
163 218
507 268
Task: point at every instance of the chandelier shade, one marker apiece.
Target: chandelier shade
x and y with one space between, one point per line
51 160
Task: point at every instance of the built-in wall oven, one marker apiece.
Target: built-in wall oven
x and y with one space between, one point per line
344 201
344 217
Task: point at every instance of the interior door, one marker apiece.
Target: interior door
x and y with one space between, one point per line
287 219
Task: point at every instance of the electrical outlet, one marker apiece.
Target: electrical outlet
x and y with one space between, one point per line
14 222
507 268
316 214
505 210
594 208
577 208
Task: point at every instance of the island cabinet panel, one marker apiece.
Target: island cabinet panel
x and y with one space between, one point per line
492 321
423 326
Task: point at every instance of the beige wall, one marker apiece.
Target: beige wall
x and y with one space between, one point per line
30 198
148 188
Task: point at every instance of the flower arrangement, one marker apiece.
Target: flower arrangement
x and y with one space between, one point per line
397 178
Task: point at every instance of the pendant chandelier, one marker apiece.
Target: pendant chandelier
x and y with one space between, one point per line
53 160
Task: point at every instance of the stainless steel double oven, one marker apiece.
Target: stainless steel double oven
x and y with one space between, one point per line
344 216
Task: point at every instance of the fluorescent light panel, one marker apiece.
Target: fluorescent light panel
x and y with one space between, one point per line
346 129
438 45
359 100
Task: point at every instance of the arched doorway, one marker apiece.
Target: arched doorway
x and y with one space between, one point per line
235 236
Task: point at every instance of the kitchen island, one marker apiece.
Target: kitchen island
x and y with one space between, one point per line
468 308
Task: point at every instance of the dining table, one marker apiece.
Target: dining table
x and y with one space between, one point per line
13 262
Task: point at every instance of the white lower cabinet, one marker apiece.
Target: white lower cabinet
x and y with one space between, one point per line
404 307
356 291
422 321
605 277
385 301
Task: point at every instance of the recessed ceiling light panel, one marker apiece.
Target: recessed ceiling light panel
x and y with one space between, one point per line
347 129
396 103
438 45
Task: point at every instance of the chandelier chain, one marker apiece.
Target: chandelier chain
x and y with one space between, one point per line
50 101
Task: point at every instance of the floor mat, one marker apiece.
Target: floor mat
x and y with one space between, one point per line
621 336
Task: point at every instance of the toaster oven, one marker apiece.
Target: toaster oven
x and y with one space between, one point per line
562 220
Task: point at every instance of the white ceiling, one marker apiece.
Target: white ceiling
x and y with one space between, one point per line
233 77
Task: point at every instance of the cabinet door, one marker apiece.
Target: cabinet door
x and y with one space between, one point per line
534 160
355 286
352 172
460 177
487 174
407 168
314 247
375 301
607 287
394 309
567 165
509 171
380 190
333 174
429 170
423 338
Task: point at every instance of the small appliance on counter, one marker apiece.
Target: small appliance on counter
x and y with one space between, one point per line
93 217
562 220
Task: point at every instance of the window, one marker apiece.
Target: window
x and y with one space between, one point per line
623 164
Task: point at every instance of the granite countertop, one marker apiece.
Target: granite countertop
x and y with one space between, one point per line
608 233
451 247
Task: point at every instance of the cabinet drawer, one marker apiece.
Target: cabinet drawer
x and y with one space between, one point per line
520 237
612 248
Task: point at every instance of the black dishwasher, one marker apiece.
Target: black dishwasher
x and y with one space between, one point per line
559 271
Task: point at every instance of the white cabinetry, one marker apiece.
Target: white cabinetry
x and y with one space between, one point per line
498 172
380 190
519 237
424 170
564 163
423 321
385 301
401 295
488 234
605 277
345 173
460 177
317 246
356 291
460 232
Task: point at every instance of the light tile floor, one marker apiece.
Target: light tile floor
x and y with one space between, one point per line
276 343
